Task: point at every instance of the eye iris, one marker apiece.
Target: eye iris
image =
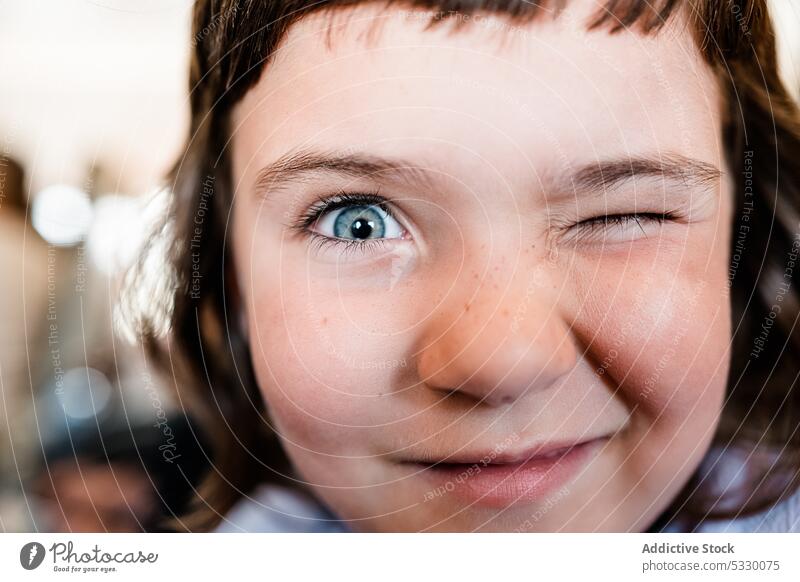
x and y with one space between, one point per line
359 222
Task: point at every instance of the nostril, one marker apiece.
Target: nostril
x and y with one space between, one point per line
461 397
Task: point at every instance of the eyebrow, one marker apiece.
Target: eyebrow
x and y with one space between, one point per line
295 167
595 177
605 175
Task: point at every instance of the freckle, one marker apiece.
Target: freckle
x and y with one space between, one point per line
324 321
505 312
466 307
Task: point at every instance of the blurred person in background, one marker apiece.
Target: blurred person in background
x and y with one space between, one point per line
111 477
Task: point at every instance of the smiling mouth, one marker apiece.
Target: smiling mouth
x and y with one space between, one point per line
504 479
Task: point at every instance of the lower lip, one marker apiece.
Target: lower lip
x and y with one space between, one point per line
501 485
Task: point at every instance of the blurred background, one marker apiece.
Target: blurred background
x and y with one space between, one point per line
93 111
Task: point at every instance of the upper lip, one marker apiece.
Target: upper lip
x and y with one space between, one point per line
507 457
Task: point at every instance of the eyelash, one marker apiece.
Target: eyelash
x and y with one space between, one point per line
610 220
344 199
345 246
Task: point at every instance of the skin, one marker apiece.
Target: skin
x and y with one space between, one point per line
500 320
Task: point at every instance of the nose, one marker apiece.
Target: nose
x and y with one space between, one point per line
496 348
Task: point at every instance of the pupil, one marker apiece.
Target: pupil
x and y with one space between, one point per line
361 228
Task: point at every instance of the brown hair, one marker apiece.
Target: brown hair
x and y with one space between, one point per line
206 351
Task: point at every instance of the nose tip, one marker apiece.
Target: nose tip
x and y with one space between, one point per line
495 359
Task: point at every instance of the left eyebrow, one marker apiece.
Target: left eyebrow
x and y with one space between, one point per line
594 177
605 175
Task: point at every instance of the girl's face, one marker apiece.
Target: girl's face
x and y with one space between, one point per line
485 272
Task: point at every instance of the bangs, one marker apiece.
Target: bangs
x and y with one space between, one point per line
234 39
646 16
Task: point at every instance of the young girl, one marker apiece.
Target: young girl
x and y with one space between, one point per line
469 265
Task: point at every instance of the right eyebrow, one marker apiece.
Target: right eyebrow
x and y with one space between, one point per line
294 167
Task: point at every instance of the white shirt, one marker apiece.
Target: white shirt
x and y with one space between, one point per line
781 518
275 509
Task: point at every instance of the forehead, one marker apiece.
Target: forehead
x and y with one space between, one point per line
372 79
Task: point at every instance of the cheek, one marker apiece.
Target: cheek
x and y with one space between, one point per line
684 335
323 360
662 332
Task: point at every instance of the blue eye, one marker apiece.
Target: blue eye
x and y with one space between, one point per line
358 222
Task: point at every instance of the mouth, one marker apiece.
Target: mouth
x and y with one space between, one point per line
502 479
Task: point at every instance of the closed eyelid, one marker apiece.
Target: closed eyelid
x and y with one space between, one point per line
589 230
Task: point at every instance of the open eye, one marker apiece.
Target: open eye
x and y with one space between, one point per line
357 222
352 223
